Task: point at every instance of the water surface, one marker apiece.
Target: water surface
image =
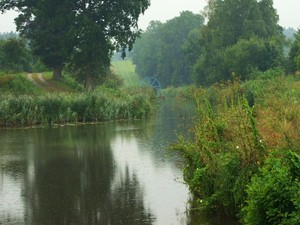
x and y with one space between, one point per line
110 174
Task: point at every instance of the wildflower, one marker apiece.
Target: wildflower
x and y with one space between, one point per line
237 147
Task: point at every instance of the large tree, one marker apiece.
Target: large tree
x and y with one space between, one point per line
235 30
80 32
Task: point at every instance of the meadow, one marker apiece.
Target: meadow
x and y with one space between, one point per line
125 69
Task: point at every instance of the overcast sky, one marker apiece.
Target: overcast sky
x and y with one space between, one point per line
163 10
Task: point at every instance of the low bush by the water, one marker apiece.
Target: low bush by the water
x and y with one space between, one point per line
97 106
242 151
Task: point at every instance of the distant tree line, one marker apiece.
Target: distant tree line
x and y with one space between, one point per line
161 50
8 35
241 37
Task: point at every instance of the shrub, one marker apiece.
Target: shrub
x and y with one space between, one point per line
224 149
273 195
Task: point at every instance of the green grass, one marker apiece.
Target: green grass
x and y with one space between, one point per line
126 70
100 105
17 84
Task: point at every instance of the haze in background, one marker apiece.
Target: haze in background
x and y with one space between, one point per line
168 9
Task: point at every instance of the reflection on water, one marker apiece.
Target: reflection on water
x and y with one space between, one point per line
116 173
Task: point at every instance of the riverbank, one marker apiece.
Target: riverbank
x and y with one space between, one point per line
243 150
24 104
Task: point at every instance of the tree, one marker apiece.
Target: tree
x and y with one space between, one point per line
146 51
160 51
80 32
294 57
230 22
248 56
14 56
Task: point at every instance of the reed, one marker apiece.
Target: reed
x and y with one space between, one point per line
100 105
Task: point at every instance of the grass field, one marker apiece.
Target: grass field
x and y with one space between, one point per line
126 70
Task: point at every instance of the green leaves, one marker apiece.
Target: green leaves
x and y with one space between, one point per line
160 50
241 36
273 195
79 33
294 56
14 55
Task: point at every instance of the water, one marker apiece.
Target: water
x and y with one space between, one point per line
110 174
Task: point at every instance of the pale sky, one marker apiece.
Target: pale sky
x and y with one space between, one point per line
163 10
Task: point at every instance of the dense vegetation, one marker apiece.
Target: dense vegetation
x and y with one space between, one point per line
160 52
243 149
23 103
244 160
241 37
100 105
82 34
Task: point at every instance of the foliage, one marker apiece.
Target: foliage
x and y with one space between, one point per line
225 148
273 195
185 92
250 55
17 84
238 35
242 157
14 56
72 83
80 33
160 51
100 105
294 57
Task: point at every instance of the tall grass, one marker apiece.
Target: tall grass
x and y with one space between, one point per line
17 84
223 150
97 106
243 150
185 92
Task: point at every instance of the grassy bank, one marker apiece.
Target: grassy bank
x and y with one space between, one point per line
47 102
17 84
99 105
243 150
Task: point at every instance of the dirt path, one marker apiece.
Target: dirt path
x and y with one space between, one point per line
29 76
41 78
38 80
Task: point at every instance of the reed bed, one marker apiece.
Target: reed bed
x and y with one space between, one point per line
100 105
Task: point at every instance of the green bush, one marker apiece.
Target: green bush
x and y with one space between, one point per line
274 193
223 150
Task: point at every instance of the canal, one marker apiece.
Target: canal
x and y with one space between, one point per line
111 174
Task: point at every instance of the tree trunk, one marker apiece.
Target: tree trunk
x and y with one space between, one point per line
57 73
89 82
